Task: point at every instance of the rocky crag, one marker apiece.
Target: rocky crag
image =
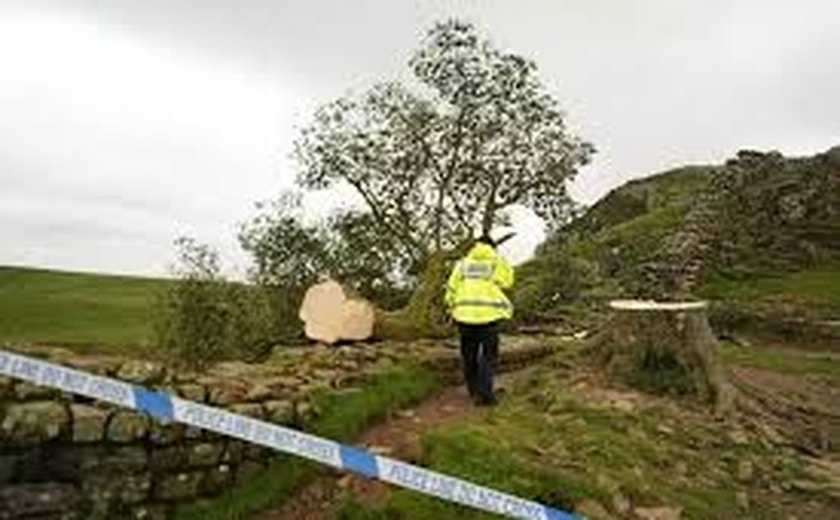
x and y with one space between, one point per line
760 212
707 231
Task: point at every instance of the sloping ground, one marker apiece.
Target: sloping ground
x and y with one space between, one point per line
87 311
601 254
563 437
399 437
761 223
802 306
790 396
671 189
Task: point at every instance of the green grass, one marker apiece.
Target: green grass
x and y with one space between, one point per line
284 475
637 238
75 309
819 286
674 188
343 415
340 416
549 443
799 363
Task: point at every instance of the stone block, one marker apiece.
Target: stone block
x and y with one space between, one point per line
127 426
193 433
38 500
233 452
8 468
75 463
141 372
254 410
192 392
122 489
179 486
166 434
169 459
26 391
151 512
35 421
205 454
88 422
100 365
6 387
304 413
280 412
127 458
259 392
216 480
287 382
227 393
256 452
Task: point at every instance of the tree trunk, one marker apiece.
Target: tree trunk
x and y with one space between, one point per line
331 317
662 347
425 315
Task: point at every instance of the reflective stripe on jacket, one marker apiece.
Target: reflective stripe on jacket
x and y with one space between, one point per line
474 290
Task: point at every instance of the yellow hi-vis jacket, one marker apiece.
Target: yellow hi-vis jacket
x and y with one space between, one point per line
474 290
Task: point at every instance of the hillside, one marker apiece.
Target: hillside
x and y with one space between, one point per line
760 234
600 254
76 309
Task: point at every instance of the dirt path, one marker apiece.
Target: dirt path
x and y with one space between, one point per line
398 437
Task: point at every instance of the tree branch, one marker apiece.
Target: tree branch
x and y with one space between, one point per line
385 220
490 207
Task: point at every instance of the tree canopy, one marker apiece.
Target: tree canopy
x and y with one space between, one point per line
436 160
445 156
292 254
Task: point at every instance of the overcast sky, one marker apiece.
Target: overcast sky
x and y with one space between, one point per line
125 123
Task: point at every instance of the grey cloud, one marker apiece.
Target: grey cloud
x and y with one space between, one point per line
653 83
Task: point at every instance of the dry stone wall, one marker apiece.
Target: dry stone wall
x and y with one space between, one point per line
761 211
67 457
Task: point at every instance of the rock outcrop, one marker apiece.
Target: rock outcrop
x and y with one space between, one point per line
761 211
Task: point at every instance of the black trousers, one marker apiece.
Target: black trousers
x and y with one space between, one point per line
480 352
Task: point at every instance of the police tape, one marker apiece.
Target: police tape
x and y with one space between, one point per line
168 408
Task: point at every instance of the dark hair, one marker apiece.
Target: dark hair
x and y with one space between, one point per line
485 239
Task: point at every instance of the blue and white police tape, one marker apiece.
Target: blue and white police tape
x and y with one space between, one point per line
167 408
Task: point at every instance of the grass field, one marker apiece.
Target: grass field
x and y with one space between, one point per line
89 311
818 286
561 442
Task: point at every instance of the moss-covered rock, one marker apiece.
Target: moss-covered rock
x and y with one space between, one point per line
127 426
216 479
205 454
141 372
280 412
35 421
88 422
179 486
44 500
27 391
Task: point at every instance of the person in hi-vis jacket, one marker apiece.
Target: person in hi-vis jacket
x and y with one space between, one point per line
477 302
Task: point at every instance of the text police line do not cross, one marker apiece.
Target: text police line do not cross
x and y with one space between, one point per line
167 408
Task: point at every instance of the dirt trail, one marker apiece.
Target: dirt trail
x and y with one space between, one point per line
398 437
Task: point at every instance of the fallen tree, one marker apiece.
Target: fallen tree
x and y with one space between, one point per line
330 316
433 166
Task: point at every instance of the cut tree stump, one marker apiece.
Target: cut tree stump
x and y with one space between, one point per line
330 316
664 347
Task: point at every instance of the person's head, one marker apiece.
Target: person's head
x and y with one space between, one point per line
486 239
